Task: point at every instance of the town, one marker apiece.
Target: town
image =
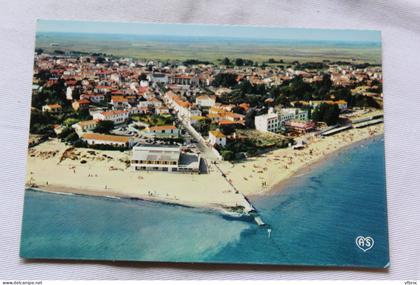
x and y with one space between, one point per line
174 114
110 126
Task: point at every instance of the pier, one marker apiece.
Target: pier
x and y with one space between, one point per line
259 221
248 208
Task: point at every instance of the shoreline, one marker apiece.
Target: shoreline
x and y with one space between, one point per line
281 185
62 190
56 168
263 174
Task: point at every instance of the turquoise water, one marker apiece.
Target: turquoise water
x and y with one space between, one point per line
314 220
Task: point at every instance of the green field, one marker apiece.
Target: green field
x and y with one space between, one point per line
152 49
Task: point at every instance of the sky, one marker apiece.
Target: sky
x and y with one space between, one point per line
195 30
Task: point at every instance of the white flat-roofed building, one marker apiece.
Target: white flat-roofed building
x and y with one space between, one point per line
272 122
269 122
293 114
164 158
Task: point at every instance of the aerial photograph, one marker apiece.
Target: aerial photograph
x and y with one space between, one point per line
206 143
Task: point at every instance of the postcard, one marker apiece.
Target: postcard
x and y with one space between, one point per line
206 144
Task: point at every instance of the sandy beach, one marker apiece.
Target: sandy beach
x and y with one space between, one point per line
55 167
258 175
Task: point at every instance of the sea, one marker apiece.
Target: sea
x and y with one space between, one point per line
313 220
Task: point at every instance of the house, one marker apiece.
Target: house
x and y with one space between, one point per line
119 103
216 137
52 108
84 126
117 116
161 110
111 140
205 100
158 78
183 79
82 104
94 98
269 122
152 103
195 119
164 158
234 117
163 131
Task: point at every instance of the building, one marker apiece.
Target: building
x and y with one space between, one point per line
120 102
205 100
158 78
94 98
293 114
84 126
272 122
164 131
300 126
269 122
52 108
117 116
82 104
216 137
164 158
111 140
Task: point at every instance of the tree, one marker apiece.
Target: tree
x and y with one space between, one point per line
142 77
225 80
227 155
70 121
226 61
227 129
239 62
326 113
104 127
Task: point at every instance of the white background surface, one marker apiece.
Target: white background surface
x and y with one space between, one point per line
400 25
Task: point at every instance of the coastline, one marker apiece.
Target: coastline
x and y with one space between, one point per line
56 168
260 175
281 185
60 190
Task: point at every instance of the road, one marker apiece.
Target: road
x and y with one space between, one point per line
206 151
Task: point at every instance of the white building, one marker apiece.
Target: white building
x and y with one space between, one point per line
293 114
217 137
164 158
84 126
117 116
120 103
269 122
158 78
205 100
163 131
272 122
